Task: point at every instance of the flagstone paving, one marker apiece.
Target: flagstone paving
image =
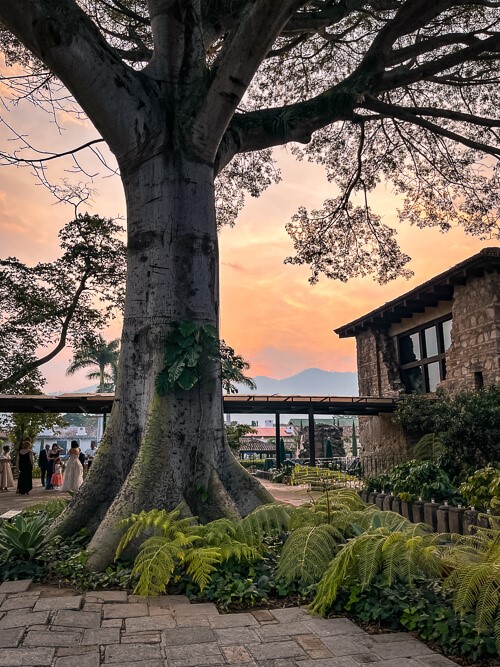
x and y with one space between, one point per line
50 627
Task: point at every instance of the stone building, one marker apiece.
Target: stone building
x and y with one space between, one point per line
443 334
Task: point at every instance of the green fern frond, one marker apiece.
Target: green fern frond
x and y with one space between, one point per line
307 553
265 520
201 564
155 564
154 521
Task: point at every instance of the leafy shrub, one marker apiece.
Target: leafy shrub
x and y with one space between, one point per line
467 424
482 489
424 479
379 483
51 508
253 463
24 538
426 609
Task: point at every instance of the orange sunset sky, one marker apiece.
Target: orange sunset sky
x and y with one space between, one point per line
269 312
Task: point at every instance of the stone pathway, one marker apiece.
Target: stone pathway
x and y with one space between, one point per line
43 627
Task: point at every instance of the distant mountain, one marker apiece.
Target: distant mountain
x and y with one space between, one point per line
309 382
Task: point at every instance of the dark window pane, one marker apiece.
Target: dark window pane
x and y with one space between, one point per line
431 342
413 379
409 348
447 334
433 375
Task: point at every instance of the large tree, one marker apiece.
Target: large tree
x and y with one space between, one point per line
184 92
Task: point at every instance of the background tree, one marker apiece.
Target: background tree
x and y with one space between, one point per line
181 91
64 302
234 432
232 372
26 426
98 354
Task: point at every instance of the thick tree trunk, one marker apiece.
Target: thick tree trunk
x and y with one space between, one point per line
162 451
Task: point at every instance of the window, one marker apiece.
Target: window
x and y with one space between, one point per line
422 356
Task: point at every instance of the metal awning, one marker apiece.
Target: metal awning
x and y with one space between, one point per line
233 404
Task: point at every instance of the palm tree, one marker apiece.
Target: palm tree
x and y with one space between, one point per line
101 354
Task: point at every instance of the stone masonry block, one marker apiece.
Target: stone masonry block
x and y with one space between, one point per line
232 620
85 660
16 657
35 638
11 638
21 618
78 619
243 635
15 586
119 653
128 610
272 650
194 655
187 636
52 604
148 623
101 636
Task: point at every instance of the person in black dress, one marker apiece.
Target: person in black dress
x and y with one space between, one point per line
25 467
43 459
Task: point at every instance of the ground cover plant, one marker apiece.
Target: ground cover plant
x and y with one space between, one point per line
340 555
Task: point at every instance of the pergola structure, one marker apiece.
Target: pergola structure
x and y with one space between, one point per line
233 404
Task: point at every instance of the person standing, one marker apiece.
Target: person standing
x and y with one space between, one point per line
43 461
51 457
25 467
90 453
73 475
6 477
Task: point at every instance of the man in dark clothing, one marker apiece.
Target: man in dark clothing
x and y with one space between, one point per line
43 462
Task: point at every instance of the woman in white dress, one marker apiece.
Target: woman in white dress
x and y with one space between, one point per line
73 474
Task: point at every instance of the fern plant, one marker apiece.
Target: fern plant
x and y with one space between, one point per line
307 553
385 543
198 549
475 578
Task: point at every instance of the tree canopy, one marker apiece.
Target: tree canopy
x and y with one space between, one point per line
395 90
67 301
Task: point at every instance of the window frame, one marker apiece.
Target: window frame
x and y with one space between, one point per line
424 360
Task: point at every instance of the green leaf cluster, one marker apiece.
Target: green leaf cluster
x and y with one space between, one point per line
415 479
482 489
24 538
197 549
189 348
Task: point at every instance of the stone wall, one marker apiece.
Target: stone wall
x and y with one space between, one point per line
378 371
474 356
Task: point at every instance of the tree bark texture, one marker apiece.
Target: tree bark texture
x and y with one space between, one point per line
164 451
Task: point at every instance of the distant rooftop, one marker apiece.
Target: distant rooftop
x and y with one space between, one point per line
428 294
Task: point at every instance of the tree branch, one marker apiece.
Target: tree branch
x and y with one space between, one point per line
405 114
19 374
240 57
63 37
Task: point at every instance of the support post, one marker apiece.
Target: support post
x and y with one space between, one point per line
312 440
278 452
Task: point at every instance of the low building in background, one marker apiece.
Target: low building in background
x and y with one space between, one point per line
442 335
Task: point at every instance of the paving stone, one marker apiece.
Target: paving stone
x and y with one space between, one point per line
125 610
236 655
34 638
407 649
85 660
366 658
15 586
78 619
141 638
92 606
194 655
289 614
263 616
112 623
313 646
101 597
131 653
267 632
344 661
21 618
53 603
2 597
144 623
435 661
160 600
271 650
240 636
20 657
400 662
186 636
188 622
64 651
390 637
232 620
325 627
206 608
101 636
143 663
350 644
21 601
11 638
